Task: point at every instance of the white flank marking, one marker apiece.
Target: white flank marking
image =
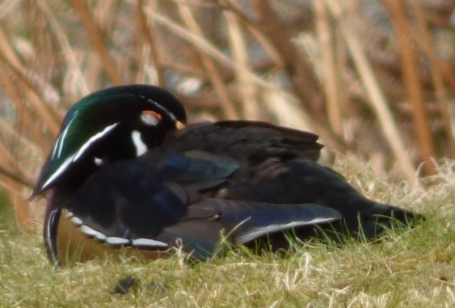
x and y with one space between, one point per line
258 232
113 240
94 138
77 221
141 148
148 243
89 231
48 239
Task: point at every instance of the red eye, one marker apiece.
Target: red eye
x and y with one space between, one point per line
153 113
151 118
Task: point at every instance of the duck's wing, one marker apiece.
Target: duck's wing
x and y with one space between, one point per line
233 138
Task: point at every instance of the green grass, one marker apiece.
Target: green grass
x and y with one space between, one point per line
411 268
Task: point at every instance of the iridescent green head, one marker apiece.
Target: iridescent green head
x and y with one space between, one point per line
114 123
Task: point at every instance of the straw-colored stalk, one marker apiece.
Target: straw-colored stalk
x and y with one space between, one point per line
371 85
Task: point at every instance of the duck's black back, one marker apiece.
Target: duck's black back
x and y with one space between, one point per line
278 165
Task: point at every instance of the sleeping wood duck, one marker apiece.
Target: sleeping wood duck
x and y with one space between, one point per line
124 172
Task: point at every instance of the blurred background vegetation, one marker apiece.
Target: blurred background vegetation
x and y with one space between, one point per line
374 78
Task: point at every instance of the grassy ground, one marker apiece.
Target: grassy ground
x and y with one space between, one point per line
408 269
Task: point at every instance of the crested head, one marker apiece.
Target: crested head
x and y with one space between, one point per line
114 123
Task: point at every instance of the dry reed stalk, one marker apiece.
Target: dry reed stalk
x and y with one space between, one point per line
306 84
23 114
18 178
410 68
148 31
205 46
239 48
207 62
9 162
98 41
27 81
427 50
20 206
329 68
66 49
10 167
286 110
371 85
437 78
7 6
10 181
7 129
274 55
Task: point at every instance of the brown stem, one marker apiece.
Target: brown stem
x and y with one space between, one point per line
97 40
410 68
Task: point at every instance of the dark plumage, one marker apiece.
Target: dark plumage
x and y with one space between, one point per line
121 174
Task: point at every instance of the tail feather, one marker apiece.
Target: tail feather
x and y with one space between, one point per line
380 217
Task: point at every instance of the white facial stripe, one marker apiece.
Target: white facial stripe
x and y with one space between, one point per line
58 147
145 242
94 138
258 232
73 158
63 136
59 171
140 146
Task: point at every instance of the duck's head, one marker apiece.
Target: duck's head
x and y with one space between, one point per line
111 124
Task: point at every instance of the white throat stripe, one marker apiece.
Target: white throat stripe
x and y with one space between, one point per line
140 146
